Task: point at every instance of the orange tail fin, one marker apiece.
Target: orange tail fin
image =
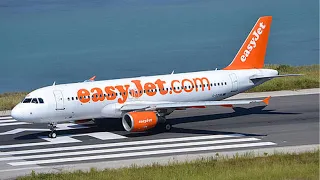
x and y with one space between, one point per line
253 50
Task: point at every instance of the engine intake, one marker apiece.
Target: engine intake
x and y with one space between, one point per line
139 121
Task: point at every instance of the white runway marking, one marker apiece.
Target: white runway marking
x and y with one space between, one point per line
135 148
101 135
65 126
12 124
6 121
19 130
6 117
133 154
161 147
58 140
130 143
65 139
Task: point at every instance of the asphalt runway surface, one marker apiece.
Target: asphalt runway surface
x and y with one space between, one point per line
286 122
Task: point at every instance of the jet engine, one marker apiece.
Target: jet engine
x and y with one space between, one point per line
140 121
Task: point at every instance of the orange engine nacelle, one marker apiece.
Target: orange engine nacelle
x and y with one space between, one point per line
139 121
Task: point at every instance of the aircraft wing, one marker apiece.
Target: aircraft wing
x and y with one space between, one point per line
176 105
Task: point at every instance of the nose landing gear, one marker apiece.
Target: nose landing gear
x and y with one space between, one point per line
52 127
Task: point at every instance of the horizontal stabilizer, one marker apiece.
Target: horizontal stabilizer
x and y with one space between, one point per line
273 76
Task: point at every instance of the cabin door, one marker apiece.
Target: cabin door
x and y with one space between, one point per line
234 82
59 100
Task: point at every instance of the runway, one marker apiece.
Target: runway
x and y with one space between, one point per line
288 121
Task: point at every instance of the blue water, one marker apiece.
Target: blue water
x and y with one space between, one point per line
42 41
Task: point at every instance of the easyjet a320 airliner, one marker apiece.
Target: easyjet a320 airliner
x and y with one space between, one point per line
144 102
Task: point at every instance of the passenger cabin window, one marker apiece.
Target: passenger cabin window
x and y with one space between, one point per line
34 100
41 100
27 100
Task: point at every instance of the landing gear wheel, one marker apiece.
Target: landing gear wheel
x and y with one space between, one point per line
52 135
167 127
53 127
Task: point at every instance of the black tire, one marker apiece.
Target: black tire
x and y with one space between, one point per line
53 135
167 127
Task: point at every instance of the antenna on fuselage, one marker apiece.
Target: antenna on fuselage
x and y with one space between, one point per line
54 83
172 72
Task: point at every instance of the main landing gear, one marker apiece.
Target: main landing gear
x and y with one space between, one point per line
53 127
164 124
167 127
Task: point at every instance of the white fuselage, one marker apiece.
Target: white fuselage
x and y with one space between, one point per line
69 102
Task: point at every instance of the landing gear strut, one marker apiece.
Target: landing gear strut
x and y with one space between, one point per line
53 127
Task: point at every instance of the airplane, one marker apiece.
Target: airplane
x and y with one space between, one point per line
144 102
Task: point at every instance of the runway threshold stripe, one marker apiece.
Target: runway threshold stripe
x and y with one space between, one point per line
133 154
129 149
129 143
58 140
6 121
12 124
6 117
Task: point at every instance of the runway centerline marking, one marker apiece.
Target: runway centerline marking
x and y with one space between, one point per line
129 143
132 154
129 149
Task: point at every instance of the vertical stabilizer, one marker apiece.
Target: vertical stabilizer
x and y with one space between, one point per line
253 50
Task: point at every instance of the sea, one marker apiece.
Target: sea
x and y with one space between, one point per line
64 41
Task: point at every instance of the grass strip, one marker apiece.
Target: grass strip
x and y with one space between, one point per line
277 166
309 80
9 100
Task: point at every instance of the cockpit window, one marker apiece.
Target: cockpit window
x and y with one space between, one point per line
27 100
34 100
40 100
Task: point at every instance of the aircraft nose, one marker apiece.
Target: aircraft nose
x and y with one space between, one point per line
16 113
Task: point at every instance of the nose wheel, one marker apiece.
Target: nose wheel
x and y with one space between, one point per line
52 135
53 127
